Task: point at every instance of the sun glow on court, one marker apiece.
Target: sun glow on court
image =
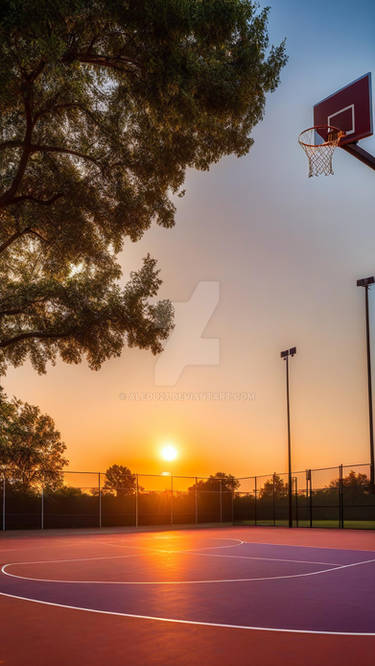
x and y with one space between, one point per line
169 452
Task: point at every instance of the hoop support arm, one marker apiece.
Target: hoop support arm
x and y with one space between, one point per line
360 154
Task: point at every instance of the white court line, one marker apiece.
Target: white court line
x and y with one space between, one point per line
179 582
300 545
189 622
186 550
269 559
73 559
117 545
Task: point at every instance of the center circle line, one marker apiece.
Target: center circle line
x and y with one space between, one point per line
182 582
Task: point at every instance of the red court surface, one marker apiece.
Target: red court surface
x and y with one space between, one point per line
234 595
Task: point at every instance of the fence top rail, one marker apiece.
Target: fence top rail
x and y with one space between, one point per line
322 469
195 478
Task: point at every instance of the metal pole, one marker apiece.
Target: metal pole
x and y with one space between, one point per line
196 500
42 509
255 502
273 500
171 499
221 500
100 500
307 492
290 491
296 498
4 503
136 501
369 385
341 496
310 499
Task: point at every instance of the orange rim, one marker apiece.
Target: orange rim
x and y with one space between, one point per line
328 128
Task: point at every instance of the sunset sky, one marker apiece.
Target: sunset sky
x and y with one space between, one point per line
280 253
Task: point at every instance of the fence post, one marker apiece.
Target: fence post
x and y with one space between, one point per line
273 500
100 500
341 497
296 496
196 500
255 501
221 500
42 509
136 501
171 499
232 506
309 479
3 504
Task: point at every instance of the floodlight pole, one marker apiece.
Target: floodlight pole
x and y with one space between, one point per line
285 356
366 282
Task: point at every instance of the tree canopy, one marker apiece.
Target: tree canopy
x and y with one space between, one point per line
215 482
31 449
354 481
120 480
275 487
104 105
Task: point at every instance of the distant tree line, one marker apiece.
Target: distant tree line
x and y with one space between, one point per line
32 457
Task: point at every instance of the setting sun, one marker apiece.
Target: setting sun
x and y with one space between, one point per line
169 452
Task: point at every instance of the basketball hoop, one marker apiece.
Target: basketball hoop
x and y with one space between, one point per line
319 143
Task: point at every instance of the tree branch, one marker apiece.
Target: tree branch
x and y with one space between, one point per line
24 306
112 62
41 202
27 100
13 238
36 335
35 148
12 143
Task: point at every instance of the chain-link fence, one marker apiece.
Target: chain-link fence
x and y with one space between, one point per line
339 496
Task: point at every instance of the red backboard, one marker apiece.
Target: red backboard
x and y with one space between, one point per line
349 109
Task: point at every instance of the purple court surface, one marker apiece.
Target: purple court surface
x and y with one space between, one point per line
233 580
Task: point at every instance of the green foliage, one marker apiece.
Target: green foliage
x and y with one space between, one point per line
355 482
31 450
275 487
104 105
120 480
227 482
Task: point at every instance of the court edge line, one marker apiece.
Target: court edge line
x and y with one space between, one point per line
189 622
180 582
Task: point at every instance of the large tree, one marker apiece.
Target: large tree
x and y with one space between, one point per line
31 449
276 487
356 482
217 482
119 479
104 105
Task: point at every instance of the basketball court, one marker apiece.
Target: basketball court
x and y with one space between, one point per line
205 595
188 596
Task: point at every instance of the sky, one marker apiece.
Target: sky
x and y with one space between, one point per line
262 258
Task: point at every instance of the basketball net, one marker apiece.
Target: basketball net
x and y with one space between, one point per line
319 144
